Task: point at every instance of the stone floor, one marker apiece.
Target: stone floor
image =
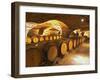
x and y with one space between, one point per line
78 56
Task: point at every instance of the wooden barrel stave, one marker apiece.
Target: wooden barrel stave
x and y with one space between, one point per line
33 57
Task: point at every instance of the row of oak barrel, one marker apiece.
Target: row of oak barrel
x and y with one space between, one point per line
44 53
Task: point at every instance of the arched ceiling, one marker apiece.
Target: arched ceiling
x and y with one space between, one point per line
73 21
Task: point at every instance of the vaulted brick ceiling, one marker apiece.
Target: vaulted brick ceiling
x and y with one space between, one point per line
73 21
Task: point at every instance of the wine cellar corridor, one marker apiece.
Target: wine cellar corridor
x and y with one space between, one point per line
57 39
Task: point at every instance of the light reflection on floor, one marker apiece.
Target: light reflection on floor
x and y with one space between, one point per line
80 60
78 56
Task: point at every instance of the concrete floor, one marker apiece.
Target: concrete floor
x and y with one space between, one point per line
78 56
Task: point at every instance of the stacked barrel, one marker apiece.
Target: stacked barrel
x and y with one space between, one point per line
36 39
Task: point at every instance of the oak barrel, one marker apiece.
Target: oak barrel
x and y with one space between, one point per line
63 48
74 43
70 44
52 52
